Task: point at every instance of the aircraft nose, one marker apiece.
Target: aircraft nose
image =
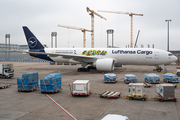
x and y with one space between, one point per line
175 58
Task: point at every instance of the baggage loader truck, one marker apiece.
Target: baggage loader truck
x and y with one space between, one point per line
6 70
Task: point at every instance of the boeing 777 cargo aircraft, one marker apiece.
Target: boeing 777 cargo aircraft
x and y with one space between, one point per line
103 59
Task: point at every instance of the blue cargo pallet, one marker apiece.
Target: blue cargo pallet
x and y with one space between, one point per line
169 77
110 77
152 78
28 82
130 78
51 83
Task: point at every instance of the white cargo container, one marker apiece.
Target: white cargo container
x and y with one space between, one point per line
81 87
136 89
165 90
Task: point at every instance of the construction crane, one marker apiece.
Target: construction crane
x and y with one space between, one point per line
92 13
77 28
128 13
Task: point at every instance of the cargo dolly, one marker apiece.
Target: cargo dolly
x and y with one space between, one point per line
110 94
160 98
147 84
2 86
143 98
127 82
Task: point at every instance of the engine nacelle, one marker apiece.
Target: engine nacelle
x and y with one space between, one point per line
104 64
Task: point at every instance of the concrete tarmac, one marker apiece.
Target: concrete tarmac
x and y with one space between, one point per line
16 105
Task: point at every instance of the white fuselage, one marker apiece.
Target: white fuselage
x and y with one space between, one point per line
122 56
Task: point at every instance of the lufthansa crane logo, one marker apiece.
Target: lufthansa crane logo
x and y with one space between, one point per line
32 42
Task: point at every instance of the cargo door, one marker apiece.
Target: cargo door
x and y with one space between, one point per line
156 55
139 91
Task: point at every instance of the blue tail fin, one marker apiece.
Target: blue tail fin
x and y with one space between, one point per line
32 41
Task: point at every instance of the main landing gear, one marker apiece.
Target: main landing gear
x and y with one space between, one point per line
85 69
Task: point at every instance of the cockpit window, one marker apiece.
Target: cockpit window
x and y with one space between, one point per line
170 54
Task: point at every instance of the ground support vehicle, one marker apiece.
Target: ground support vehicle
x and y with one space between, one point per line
6 70
3 86
143 98
110 94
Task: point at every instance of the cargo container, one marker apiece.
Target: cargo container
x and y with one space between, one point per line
152 78
110 77
169 77
6 70
130 78
81 87
165 92
136 91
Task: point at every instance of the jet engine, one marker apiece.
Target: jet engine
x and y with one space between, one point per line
104 64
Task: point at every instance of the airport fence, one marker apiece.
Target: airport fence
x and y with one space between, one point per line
22 60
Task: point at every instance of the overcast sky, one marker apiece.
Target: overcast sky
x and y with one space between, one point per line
43 16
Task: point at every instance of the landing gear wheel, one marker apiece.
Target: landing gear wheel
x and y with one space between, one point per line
159 69
83 69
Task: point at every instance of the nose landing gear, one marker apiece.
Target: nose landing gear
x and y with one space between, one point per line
158 69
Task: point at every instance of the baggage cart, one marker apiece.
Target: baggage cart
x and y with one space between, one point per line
110 94
131 97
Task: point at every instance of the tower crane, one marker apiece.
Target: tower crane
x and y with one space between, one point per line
77 28
92 13
128 13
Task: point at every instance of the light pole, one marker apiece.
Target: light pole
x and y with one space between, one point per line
168 33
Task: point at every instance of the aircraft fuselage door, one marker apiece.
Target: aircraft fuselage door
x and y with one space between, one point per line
156 55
